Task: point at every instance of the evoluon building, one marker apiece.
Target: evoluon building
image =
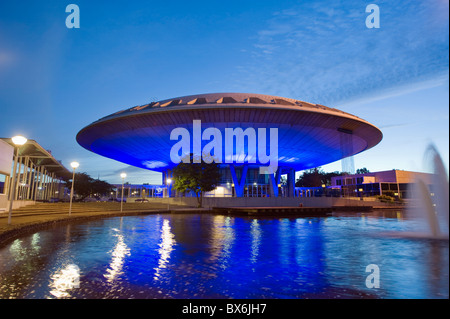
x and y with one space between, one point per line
256 138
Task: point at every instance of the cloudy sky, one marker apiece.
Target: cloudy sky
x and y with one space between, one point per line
55 80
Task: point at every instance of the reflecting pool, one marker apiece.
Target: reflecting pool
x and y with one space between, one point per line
216 256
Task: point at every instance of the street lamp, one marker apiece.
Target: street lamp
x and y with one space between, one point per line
74 165
123 175
169 181
18 141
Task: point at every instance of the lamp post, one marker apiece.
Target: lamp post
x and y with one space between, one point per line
74 165
169 181
123 175
18 142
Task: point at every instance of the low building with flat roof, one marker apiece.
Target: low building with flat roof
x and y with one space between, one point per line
377 183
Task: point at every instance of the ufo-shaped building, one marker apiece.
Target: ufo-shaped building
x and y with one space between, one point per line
304 136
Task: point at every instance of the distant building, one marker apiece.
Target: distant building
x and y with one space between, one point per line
377 183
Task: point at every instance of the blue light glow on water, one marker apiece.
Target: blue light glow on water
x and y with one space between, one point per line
216 256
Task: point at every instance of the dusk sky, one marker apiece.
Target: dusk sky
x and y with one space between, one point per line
54 81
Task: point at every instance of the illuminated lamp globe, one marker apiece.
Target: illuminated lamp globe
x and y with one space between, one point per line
19 140
74 165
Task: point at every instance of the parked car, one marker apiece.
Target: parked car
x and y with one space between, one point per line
116 200
141 200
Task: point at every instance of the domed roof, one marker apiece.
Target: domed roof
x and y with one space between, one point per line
214 100
309 135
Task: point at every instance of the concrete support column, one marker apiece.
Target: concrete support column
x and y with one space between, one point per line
52 186
34 182
25 178
39 183
274 180
7 186
291 183
46 185
18 177
239 184
29 181
14 171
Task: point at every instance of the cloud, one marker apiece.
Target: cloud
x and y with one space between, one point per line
382 94
154 164
394 125
127 169
135 175
322 52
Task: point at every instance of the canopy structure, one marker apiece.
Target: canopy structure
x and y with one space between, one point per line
39 173
39 157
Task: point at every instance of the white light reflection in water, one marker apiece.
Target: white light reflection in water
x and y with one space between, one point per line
119 253
255 231
222 238
17 251
35 242
284 234
165 247
229 237
21 249
301 249
64 280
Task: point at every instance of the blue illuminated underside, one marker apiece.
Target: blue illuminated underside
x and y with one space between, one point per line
298 147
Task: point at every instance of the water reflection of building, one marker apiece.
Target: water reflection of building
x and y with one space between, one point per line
395 181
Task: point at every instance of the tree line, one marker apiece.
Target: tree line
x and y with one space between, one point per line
85 186
316 177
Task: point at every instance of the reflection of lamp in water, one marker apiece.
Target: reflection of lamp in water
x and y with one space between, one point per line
64 280
74 165
18 142
119 253
123 175
165 247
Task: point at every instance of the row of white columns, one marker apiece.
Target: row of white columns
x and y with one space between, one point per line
34 182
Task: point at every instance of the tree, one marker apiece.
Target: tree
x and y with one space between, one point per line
315 177
310 178
362 171
85 185
196 177
100 187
